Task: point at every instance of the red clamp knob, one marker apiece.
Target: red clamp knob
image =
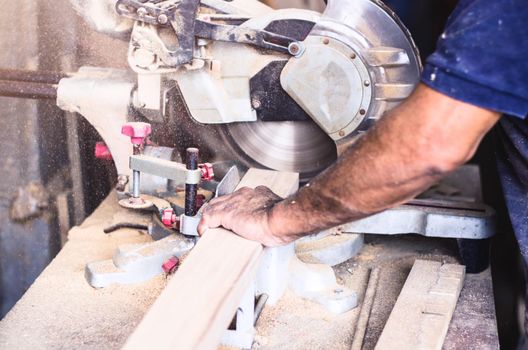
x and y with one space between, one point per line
207 171
168 217
171 265
102 152
137 132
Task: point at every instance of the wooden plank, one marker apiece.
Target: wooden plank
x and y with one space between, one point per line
282 183
421 316
201 299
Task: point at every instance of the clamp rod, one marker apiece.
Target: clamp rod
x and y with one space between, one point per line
191 189
23 89
43 77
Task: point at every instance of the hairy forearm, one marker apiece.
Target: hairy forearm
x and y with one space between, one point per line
406 152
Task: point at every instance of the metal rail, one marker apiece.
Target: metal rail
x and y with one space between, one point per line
23 89
29 84
43 77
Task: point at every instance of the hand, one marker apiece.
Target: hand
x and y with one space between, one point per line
246 212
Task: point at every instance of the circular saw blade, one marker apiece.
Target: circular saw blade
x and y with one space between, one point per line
297 146
288 146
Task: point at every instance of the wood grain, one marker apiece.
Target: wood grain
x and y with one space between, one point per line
199 302
282 183
422 314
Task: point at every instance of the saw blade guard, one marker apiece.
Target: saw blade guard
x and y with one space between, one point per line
358 62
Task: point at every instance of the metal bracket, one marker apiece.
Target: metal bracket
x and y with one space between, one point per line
182 17
135 263
189 224
243 35
430 218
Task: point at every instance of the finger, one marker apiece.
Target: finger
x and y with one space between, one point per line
243 190
262 189
207 222
265 191
202 228
215 213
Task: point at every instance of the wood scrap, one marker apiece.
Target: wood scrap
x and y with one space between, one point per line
422 314
201 299
366 307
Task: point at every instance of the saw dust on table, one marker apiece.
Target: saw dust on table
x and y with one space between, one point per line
296 324
62 311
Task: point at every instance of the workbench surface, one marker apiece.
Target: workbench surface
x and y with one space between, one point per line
61 311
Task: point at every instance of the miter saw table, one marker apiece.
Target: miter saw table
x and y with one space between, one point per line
61 310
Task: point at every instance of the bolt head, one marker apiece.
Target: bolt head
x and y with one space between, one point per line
256 103
366 82
296 49
362 112
326 41
163 19
353 56
342 133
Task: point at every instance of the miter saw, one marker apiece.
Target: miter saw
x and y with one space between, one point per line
279 89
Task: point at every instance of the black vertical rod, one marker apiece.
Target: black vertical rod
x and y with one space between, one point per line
191 190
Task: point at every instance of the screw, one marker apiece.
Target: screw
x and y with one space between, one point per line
163 19
296 49
342 133
367 83
362 112
353 56
256 103
326 41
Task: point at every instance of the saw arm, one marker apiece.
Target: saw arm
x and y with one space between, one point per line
181 15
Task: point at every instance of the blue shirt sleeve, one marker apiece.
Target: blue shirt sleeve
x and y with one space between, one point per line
482 56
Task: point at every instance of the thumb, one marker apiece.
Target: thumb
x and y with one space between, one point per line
209 220
202 227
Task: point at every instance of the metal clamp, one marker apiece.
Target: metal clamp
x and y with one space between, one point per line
193 177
